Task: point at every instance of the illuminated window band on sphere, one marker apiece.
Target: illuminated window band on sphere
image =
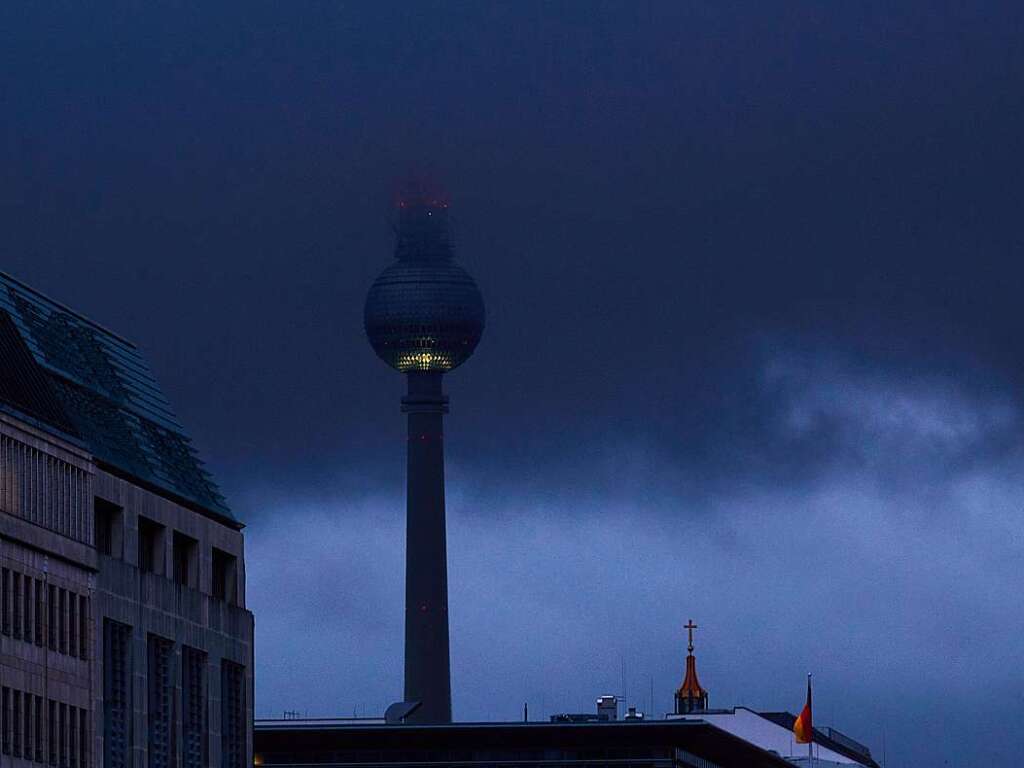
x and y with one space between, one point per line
424 312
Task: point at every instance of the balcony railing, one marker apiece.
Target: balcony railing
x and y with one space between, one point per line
163 594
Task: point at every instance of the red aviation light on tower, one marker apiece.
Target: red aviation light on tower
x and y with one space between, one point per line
420 195
421 223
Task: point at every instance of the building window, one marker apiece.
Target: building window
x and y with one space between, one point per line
16 723
83 627
28 742
185 565
63 735
232 719
39 729
16 604
73 736
5 721
26 606
62 618
224 575
151 550
108 528
83 738
161 702
43 489
51 617
117 694
193 708
51 730
40 593
5 601
72 624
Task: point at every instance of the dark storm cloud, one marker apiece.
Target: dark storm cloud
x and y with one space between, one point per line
882 575
752 275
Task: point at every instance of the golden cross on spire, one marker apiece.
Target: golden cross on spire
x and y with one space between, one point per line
689 627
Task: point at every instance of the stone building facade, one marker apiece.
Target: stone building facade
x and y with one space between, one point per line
124 637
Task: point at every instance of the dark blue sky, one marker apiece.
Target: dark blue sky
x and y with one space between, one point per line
753 350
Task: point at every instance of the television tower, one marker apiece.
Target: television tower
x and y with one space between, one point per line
424 316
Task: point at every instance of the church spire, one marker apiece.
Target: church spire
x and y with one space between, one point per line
690 697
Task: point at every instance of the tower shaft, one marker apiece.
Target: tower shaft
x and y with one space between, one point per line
427 673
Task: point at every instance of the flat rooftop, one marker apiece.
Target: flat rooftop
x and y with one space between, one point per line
370 743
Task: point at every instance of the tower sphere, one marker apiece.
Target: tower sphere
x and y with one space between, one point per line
424 312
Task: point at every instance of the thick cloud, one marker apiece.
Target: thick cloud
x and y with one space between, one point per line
893 575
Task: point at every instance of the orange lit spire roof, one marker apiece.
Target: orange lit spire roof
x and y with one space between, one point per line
690 689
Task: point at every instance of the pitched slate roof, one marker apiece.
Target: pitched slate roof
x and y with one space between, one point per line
90 383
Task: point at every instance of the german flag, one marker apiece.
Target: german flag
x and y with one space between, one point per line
802 728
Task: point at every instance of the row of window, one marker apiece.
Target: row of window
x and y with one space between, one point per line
37 612
152 542
55 494
44 489
56 734
162 680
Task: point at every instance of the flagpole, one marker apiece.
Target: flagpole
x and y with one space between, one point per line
810 736
803 728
